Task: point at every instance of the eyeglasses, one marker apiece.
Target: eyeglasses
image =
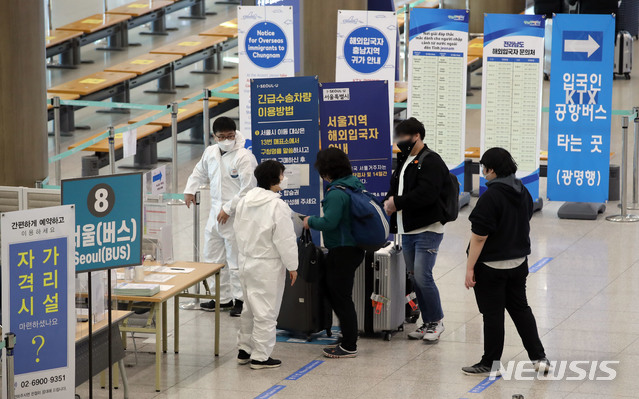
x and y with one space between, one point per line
225 136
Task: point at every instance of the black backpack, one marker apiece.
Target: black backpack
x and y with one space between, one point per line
449 199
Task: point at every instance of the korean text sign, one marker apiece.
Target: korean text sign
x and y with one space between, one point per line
285 128
366 48
580 107
437 75
108 230
354 119
38 291
511 98
266 38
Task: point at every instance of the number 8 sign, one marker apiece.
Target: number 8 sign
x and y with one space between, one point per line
108 230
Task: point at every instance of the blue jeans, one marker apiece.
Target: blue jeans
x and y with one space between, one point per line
420 252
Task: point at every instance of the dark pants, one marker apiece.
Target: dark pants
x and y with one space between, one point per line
341 263
498 290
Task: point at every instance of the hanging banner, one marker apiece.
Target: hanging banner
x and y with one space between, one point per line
580 107
38 300
437 75
108 216
353 118
512 91
266 39
285 128
366 49
296 23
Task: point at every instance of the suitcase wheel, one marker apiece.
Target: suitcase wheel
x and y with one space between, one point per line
400 328
329 332
388 336
546 76
627 76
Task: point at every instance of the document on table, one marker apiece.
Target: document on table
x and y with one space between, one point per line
165 287
173 270
158 278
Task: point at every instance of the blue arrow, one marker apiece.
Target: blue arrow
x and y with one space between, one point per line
157 177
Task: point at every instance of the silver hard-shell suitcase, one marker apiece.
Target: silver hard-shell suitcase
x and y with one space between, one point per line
379 292
623 54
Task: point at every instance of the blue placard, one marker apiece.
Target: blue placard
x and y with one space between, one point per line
108 220
38 294
284 121
580 107
296 23
266 44
366 49
354 118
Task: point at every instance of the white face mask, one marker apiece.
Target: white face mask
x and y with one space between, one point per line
284 183
226 145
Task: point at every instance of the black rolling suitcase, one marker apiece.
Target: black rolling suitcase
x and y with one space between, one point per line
623 54
305 308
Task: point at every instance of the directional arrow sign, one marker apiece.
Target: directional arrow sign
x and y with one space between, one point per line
582 46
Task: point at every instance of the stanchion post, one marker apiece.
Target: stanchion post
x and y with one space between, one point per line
406 40
195 303
635 163
10 343
624 217
112 149
174 155
205 116
56 138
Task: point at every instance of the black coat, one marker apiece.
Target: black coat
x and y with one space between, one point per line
420 199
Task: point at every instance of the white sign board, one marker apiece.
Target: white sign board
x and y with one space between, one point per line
38 300
266 50
366 48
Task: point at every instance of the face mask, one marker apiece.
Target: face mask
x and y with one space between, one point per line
406 146
226 145
284 183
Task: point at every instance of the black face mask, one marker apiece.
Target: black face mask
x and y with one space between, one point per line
406 146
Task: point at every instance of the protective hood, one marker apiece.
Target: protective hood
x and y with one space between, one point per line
259 196
510 186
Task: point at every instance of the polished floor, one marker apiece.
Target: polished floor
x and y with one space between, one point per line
584 299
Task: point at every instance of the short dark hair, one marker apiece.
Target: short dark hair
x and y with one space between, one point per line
224 124
499 160
411 126
268 173
333 163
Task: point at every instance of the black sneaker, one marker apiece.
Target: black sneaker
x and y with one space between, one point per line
338 352
267 364
243 357
237 309
480 370
210 306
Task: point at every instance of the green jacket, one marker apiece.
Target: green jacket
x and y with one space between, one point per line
335 225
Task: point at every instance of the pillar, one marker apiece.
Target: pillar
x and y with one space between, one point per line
23 121
319 30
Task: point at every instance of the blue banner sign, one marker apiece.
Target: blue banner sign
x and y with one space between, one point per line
580 107
38 299
511 98
354 119
284 120
108 219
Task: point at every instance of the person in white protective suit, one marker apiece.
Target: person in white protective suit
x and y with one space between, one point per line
267 249
228 168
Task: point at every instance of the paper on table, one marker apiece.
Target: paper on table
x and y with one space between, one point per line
165 287
151 268
174 270
129 140
158 278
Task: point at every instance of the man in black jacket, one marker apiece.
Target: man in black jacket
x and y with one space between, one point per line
414 204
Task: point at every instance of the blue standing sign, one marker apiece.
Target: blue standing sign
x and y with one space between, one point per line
108 220
580 107
354 119
284 120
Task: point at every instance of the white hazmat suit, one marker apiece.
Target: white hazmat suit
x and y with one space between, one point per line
230 176
268 248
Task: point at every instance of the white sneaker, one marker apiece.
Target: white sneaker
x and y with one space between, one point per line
433 331
542 366
419 333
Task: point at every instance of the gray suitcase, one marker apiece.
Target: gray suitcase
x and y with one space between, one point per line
382 274
623 54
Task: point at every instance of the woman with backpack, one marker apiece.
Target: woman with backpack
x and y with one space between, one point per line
344 256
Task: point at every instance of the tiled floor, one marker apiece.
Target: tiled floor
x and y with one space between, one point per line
585 299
